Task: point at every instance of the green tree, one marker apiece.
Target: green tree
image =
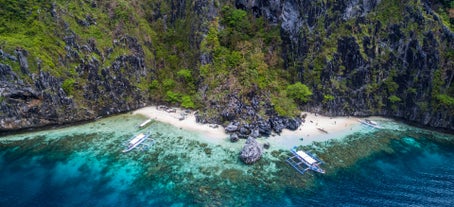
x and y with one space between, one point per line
168 84
445 100
185 74
187 102
299 91
394 99
154 85
172 97
234 17
327 98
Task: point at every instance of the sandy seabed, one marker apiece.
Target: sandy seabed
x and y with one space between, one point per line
308 132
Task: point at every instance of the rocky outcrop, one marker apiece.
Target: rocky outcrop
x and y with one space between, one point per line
251 152
246 120
26 105
39 99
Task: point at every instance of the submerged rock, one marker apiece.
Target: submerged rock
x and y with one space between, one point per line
266 145
252 151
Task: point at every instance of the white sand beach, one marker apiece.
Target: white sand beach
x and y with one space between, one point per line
188 123
316 128
307 133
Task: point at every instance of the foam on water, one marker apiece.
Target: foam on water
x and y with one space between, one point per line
84 166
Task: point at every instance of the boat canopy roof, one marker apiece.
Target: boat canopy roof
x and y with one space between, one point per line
137 138
306 157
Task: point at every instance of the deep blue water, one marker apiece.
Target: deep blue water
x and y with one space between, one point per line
421 175
84 166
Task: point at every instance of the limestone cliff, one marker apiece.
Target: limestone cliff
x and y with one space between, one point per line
369 57
68 61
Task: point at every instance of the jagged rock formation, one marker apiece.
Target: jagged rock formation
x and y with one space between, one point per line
26 105
251 152
40 99
236 112
79 60
368 63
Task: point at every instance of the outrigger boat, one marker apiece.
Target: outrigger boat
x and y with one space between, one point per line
145 123
303 161
136 141
370 123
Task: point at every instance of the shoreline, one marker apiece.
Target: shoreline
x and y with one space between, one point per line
306 133
309 131
52 126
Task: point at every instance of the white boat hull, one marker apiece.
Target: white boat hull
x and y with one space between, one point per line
136 141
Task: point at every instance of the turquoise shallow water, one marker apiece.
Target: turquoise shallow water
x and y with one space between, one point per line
83 166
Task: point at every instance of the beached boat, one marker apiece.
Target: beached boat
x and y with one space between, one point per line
323 130
145 123
303 161
214 126
170 110
370 123
136 141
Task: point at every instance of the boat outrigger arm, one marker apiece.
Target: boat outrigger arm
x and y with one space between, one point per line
304 161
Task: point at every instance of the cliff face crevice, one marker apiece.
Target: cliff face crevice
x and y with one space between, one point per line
24 105
79 60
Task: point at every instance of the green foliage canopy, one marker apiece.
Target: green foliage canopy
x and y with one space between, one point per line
233 17
186 102
394 99
445 100
299 91
185 74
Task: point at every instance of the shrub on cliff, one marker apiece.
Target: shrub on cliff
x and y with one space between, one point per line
186 102
172 97
68 86
445 100
299 91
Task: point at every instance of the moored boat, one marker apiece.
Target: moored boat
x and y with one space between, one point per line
145 123
303 161
370 123
136 141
